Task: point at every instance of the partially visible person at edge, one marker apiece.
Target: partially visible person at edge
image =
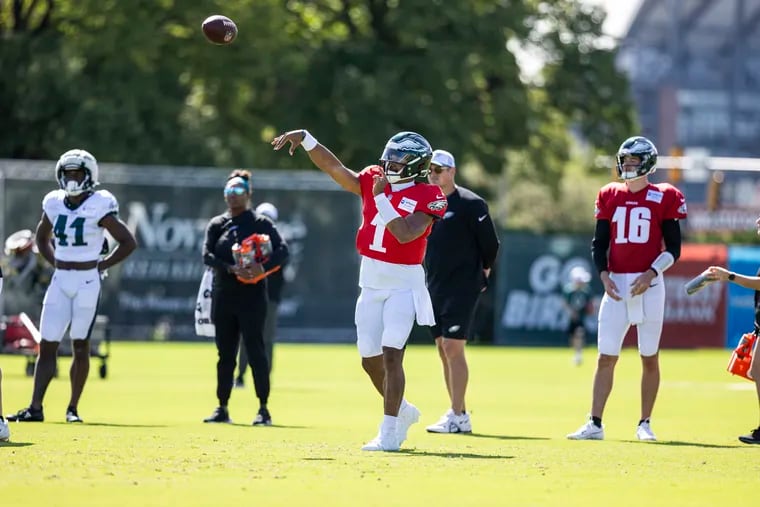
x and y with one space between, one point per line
633 221
461 250
576 300
397 215
70 236
275 283
749 282
5 432
238 301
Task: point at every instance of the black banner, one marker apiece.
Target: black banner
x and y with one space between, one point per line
152 294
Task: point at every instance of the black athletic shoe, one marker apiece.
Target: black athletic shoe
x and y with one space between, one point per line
263 418
220 415
27 414
72 416
752 438
239 382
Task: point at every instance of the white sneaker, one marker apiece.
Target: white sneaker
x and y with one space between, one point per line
406 417
644 432
387 443
452 423
588 431
5 431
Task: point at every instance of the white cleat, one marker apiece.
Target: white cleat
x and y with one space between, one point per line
452 423
588 431
386 443
5 431
406 417
644 432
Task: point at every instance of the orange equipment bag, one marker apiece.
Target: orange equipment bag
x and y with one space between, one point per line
741 359
255 249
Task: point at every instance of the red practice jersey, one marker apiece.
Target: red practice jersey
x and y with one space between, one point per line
636 222
374 241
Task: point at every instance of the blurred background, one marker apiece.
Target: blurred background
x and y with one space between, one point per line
532 97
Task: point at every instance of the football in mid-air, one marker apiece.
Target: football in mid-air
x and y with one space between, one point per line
219 29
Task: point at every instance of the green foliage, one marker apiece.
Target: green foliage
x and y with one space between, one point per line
136 82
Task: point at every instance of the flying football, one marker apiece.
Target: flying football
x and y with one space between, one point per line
219 29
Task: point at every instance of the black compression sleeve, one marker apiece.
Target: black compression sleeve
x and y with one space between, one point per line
600 244
671 234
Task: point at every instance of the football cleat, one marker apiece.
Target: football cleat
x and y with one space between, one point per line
27 414
386 442
263 418
452 423
220 415
72 416
644 432
5 431
407 416
752 438
588 431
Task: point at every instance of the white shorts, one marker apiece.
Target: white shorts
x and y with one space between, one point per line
646 312
384 318
71 299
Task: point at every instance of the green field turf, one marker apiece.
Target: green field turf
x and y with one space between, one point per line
143 443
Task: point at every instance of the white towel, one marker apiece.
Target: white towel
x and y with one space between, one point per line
203 324
423 307
635 305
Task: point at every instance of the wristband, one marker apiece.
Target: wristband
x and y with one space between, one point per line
309 142
663 262
385 209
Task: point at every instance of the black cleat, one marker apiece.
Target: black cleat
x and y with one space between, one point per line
263 418
220 415
239 382
27 414
72 416
752 438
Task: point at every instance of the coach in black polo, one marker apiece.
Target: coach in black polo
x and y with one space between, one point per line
461 250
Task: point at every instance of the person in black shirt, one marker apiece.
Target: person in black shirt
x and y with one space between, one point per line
239 293
461 250
5 432
275 283
750 282
576 299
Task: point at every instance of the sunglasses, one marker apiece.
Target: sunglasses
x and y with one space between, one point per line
437 169
234 191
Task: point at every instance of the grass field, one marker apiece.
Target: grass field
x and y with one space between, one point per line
143 443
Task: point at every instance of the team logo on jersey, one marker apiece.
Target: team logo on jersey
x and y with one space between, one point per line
654 195
407 204
682 207
437 205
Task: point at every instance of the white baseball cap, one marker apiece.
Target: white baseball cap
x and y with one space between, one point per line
268 210
579 275
443 158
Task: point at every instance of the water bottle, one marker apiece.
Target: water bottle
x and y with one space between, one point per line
697 283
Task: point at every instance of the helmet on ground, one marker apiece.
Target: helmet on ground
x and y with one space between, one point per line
74 160
642 148
406 156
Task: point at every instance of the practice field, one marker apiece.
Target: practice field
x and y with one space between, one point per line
143 443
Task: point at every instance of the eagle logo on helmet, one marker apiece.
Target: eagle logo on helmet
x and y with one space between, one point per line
644 150
75 160
408 151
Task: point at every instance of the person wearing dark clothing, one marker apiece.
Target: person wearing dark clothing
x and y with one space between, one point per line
239 292
461 250
275 282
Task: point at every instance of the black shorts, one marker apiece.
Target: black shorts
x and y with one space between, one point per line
575 324
453 315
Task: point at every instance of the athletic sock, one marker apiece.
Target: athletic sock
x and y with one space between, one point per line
644 421
597 421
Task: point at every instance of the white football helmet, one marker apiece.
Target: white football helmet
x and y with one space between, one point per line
77 159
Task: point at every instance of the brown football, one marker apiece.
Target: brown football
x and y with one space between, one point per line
219 29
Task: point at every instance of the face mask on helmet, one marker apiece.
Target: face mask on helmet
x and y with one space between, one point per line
406 156
75 160
641 148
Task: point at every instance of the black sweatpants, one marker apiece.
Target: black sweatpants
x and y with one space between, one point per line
240 310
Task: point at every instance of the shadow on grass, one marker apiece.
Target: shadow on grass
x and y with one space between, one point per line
676 443
453 454
503 437
319 459
15 444
111 425
281 426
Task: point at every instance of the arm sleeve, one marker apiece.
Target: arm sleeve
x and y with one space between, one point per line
485 235
280 252
600 244
671 235
213 232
